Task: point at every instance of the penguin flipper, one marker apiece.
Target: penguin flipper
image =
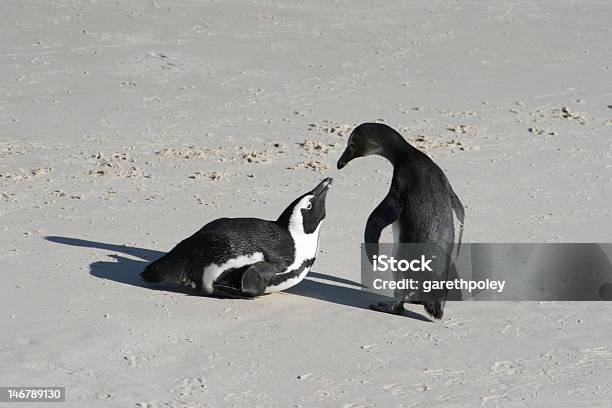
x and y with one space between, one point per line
459 213
385 214
245 282
255 279
457 206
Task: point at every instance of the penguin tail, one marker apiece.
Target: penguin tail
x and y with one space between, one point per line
434 308
152 274
165 268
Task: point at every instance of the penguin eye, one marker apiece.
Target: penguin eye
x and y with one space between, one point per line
309 206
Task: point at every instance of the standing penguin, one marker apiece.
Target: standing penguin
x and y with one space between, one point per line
419 204
246 257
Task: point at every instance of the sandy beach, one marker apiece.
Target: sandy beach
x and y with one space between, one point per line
126 126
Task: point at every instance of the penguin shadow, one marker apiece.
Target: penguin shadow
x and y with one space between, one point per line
351 296
122 269
127 271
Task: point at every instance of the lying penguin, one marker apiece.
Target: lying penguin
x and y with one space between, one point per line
419 204
247 257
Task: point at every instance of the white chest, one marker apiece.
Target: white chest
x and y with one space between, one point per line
306 247
213 271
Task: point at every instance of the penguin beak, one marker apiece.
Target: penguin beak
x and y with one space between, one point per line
344 159
322 188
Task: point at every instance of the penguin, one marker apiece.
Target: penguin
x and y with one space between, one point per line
247 257
419 205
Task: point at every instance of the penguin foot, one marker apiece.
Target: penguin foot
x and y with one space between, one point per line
395 308
434 308
226 292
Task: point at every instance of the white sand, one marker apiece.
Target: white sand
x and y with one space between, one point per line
125 126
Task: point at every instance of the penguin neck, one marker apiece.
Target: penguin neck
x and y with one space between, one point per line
306 245
296 226
395 148
292 220
285 218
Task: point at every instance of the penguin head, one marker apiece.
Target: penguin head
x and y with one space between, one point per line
305 213
368 139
